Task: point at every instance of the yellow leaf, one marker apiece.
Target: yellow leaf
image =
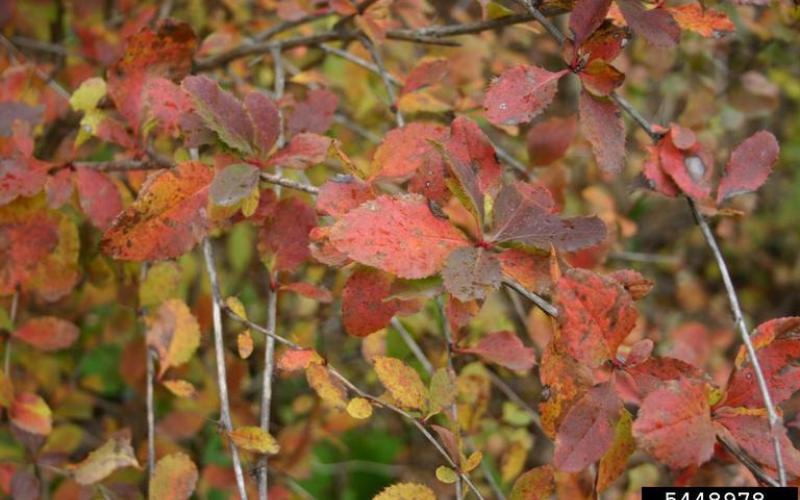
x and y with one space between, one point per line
115 454
446 474
328 389
472 461
250 203
402 382
173 332
30 413
236 306
162 282
255 439
174 478
180 388
86 97
359 408
244 344
406 491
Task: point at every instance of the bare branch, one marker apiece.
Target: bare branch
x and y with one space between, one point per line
387 83
546 306
151 416
412 345
288 183
748 462
775 421
222 379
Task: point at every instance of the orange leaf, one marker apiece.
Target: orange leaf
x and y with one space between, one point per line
175 477
30 413
47 333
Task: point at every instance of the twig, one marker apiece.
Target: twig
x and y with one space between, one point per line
287 25
151 416
448 338
222 380
288 183
412 345
118 165
15 54
387 83
542 19
748 462
12 318
359 61
738 319
546 306
647 258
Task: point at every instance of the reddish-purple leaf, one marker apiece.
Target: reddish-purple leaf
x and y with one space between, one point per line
549 140
586 16
47 333
314 114
654 25
587 430
164 102
520 217
674 424
263 113
595 314
221 112
471 273
520 93
749 166
99 197
365 309
602 124
397 234
285 234
505 349
690 169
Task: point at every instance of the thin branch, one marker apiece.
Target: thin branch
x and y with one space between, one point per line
748 462
12 318
359 62
287 25
119 165
544 21
448 338
15 55
222 380
775 421
545 306
412 345
640 120
288 183
387 83
151 416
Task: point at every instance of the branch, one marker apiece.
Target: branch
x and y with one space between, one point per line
544 305
120 165
448 337
413 346
288 183
748 462
222 380
774 419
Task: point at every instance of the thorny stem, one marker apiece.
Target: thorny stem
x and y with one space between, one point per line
222 380
738 319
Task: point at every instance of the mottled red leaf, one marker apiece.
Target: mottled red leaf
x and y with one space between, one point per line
99 197
634 283
164 102
777 344
674 424
654 25
167 219
749 166
365 308
398 234
19 178
595 314
519 215
605 43
264 115
658 180
298 359
531 270
587 430
471 273
549 140
586 16
30 413
601 78
339 195
691 169
751 432
505 349
474 154
47 333
565 380
406 149
701 19
314 113
285 234
520 93
648 375
601 123
303 151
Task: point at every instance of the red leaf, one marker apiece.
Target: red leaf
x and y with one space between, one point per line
777 344
602 124
286 233
314 114
634 283
30 413
595 314
587 430
701 19
310 291
298 359
505 349
365 309
470 147
565 381
751 432
47 333
165 102
341 194
263 113
303 151
19 178
650 374
24 240
404 150
749 166
605 43
674 424
549 140
471 273
168 218
531 270
425 74
520 217
586 17
657 178
397 234
691 169
221 112
655 25
601 78
99 197
519 94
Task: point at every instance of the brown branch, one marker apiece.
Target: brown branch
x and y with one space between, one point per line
387 82
748 462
